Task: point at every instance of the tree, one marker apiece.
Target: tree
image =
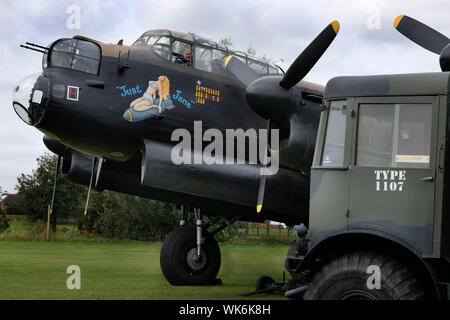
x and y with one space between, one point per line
3 193
126 216
37 188
267 59
226 42
112 214
251 51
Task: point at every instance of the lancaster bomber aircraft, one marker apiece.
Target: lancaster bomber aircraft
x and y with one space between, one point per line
118 117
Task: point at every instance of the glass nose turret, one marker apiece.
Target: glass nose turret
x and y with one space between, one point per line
26 97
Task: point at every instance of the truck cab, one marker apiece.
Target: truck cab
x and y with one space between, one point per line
379 187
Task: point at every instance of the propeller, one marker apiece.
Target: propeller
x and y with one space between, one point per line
309 57
298 69
425 37
262 181
269 96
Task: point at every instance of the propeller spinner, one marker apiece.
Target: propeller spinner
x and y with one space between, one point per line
269 96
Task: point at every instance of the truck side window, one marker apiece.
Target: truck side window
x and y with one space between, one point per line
375 131
333 150
394 135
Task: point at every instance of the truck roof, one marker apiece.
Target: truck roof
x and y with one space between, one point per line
410 84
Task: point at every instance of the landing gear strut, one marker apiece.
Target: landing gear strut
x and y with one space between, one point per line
190 255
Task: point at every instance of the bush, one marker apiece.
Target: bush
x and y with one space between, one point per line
229 233
129 217
88 223
35 229
15 210
4 223
37 189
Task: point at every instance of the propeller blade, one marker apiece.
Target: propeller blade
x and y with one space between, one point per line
262 187
94 160
309 57
421 34
240 70
262 181
54 183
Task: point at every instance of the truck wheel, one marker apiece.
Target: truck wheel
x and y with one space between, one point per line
179 262
347 278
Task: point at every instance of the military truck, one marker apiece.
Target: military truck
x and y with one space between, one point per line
380 198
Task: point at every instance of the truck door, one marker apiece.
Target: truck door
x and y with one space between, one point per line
393 168
329 173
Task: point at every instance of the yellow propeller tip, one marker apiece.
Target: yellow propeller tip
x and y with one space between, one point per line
227 60
258 208
336 26
85 213
397 20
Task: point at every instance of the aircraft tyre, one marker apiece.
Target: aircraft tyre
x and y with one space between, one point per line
347 278
179 262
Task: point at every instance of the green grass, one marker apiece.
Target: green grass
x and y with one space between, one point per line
126 270
25 230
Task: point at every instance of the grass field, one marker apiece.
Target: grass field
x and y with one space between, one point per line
126 270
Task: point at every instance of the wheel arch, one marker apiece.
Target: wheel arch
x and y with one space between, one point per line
342 243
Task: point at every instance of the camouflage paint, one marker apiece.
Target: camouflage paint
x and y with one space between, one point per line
344 199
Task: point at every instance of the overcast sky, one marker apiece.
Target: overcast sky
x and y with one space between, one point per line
367 42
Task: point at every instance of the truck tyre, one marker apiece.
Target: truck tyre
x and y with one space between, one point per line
178 258
347 278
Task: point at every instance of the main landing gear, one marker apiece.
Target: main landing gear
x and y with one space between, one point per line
190 255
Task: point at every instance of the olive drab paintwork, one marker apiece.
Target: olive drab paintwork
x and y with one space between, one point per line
406 202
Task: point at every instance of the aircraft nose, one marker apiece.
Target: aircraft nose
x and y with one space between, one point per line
28 99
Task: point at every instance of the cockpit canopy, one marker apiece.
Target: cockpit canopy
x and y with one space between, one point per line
73 54
206 55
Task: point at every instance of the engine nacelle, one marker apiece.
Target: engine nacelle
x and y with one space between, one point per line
295 112
77 167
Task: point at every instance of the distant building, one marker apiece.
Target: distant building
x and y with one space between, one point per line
10 200
272 224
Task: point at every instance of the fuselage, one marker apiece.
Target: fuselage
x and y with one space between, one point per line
94 124
92 113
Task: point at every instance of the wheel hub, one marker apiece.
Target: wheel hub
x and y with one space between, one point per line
194 261
357 295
